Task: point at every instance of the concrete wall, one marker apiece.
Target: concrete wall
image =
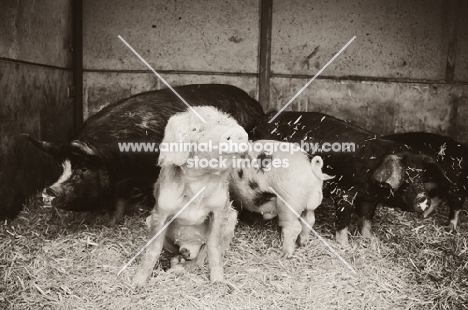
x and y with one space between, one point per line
198 41
392 78
35 71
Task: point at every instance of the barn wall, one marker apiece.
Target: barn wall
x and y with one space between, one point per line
392 78
406 70
185 41
35 71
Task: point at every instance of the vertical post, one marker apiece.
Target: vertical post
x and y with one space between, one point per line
77 24
453 19
266 21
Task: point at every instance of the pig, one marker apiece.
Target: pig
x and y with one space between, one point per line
296 179
375 171
179 182
451 156
188 242
96 174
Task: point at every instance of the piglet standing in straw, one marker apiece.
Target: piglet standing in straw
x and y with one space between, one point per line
284 184
180 181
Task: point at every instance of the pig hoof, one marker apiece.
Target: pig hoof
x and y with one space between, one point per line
452 228
426 213
303 240
139 281
287 253
115 221
342 238
217 275
366 233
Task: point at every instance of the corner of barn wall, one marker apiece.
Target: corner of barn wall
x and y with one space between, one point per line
35 71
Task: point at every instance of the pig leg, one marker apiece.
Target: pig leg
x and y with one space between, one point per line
365 210
291 228
122 190
230 221
213 246
118 215
152 251
456 203
344 210
309 218
435 193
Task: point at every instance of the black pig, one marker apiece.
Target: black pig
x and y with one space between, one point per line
97 174
375 171
452 156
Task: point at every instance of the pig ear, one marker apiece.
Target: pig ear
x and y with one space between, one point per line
81 148
391 171
432 162
54 149
176 131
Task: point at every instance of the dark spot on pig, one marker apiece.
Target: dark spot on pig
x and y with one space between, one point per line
262 197
253 184
180 18
240 173
154 26
235 39
263 159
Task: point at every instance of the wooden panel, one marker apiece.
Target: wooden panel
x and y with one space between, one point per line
380 107
36 31
34 101
461 65
104 88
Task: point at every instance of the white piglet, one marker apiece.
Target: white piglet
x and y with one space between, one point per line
287 172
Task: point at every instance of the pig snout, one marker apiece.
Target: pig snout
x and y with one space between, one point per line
185 253
50 196
189 252
236 134
51 192
421 203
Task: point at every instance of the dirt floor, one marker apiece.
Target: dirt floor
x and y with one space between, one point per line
64 260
